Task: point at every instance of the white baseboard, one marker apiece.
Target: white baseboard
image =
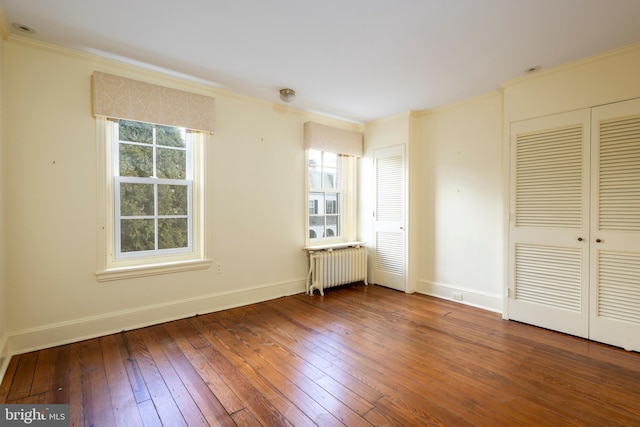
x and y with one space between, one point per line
95 326
4 354
484 300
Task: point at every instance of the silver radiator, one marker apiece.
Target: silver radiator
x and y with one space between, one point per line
328 268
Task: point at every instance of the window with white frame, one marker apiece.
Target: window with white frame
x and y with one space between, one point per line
331 197
325 178
151 201
331 155
153 193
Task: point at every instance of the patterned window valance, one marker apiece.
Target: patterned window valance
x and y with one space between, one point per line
327 138
122 98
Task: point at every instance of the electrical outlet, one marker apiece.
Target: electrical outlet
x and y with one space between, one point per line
457 295
218 268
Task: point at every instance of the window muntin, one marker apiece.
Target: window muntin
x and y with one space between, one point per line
325 195
153 190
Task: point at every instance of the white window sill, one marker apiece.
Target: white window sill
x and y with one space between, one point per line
332 246
129 272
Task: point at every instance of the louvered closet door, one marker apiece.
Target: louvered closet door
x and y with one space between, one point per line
549 223
390 239
615 229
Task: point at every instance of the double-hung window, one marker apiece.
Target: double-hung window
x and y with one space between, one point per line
325 178
153 197
331 155
153 190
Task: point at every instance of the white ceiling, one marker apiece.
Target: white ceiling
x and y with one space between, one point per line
355 59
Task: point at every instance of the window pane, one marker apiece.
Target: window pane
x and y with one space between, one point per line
137 235
172 200
330 178
136 160
173 233
313 207
315 158
333 225
317 199
332 203
171 164
330 160
316 221
315 178
136 131
136 199
315 169
316 226
170 136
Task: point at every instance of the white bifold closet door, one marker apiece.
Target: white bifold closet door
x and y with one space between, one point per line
549 213
615 225
575 223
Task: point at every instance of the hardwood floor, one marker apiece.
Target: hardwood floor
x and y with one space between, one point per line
359 356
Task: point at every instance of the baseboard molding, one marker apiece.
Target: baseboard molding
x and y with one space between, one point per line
484 300
95 326
4 354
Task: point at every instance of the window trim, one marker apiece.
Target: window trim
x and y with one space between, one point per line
108 267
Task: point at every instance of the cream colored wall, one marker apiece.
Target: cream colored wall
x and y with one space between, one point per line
256 204
461 221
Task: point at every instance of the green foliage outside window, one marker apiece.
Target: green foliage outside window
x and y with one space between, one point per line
144 203
137 235
136 131
173 233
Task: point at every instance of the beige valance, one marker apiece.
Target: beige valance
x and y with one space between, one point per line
335 140
122 98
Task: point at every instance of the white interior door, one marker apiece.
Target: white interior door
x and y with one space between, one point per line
389 221
615 225
549 223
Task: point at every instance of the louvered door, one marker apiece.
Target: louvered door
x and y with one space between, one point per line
615 226
390 241
575 223
549 222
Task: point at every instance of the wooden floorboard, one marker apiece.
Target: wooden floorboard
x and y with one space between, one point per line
359 356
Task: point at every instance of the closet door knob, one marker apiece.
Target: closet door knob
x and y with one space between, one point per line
598 240
579 239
